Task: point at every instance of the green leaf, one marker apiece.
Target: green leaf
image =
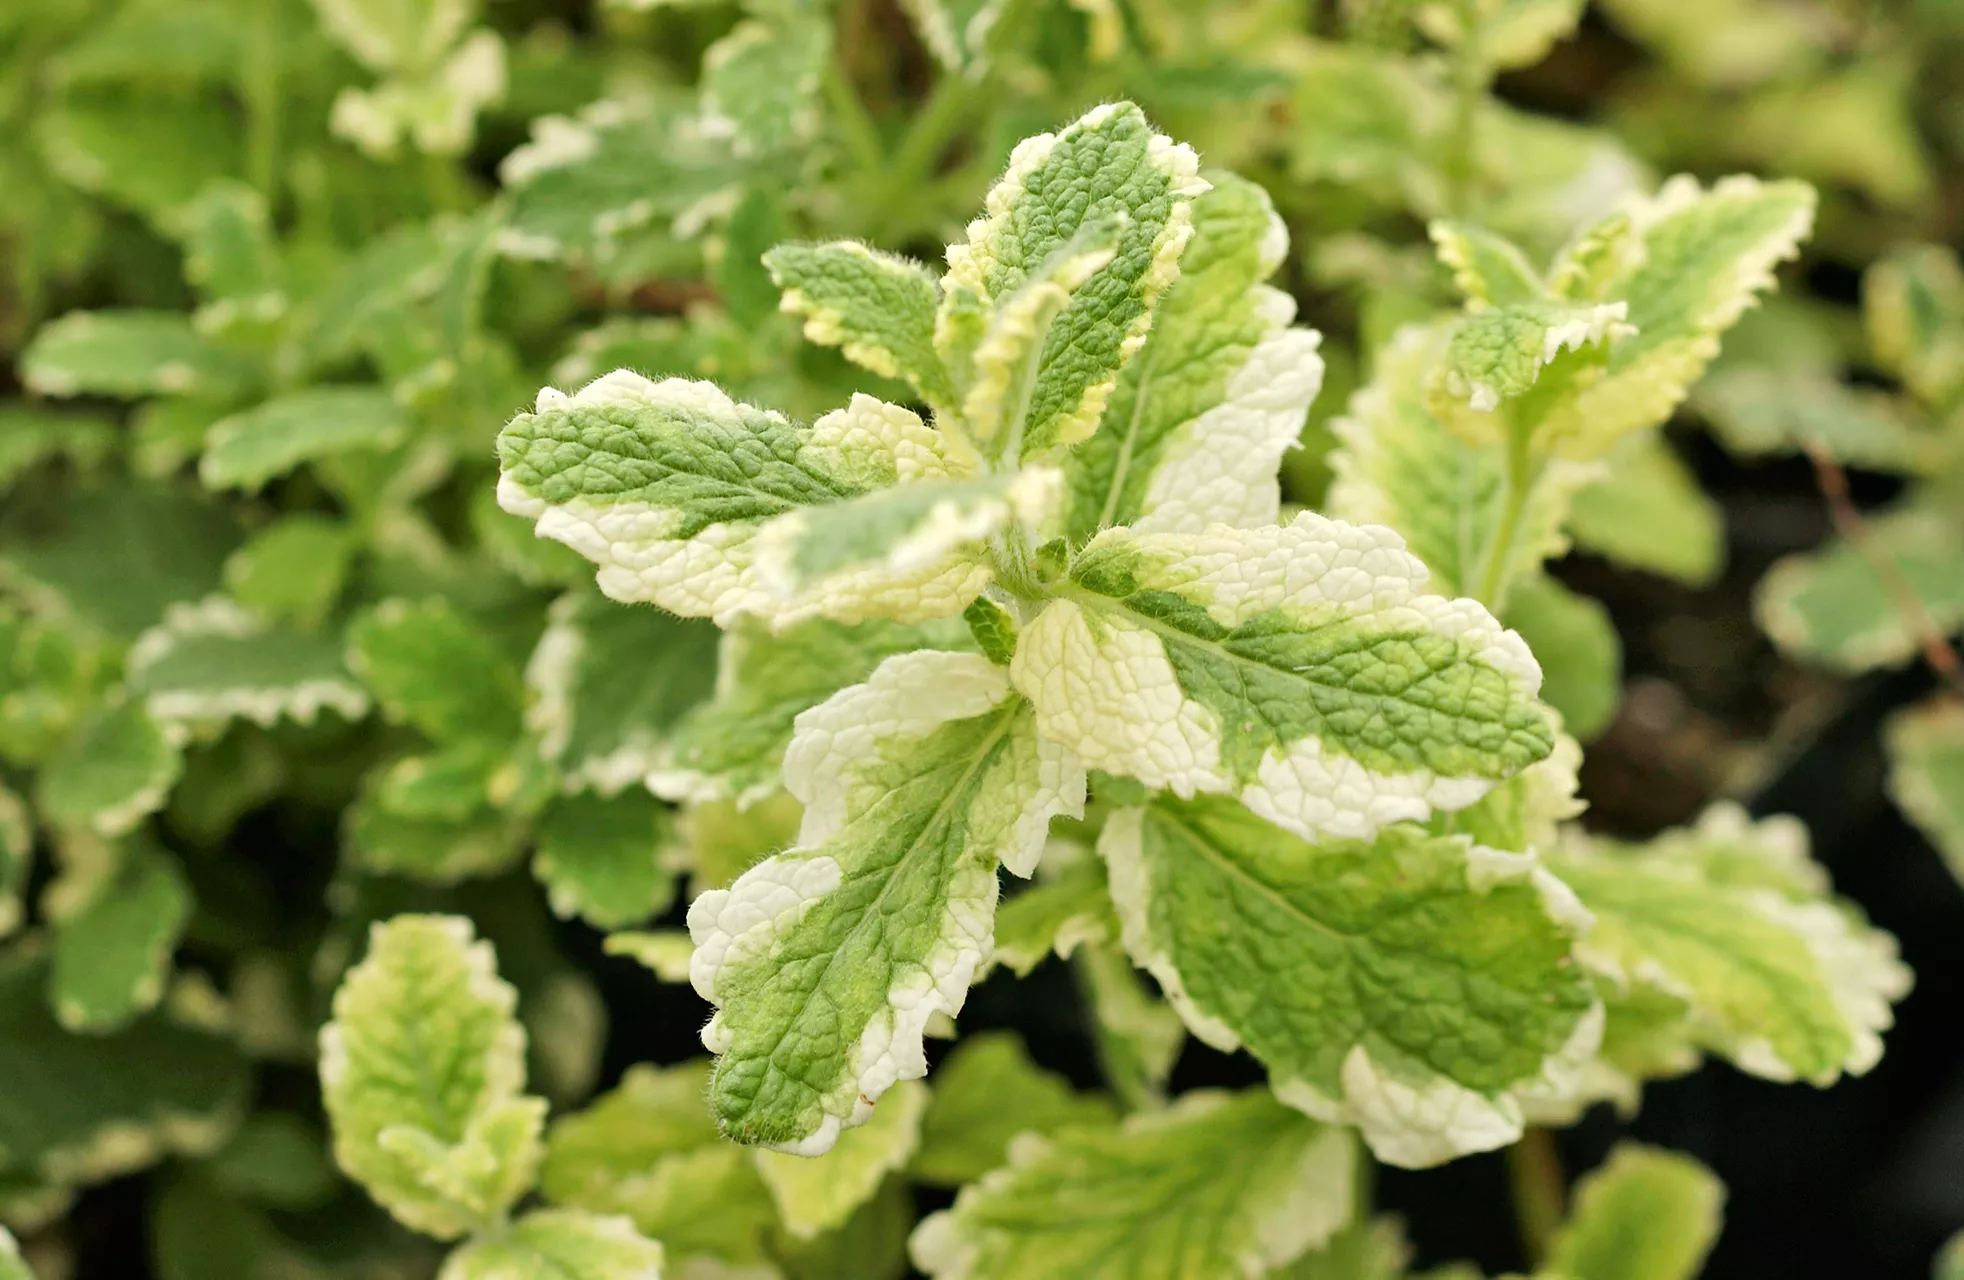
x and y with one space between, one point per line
664 952
16 859
818 1194
248 449
1913 301
1699 260
1926 774
551 1243
1201 418
650 1150
985 1093
1498 354
1359 952
30 435
421 1072
154 155
601 859
1650 514
1108 164
875 307
609 685
956 32
293 570
1366 1249
116 769
760 84
116 555
276 1158
49 676
1299 667
436 849
872 1245
1756 412
230 257
213 661
84 1109
427 665
1504 34
1645 1214
1780 978
1216 1187
397 35
1488 269
1580 652
1066 907
664 485
1832 607
1137 1035
586 188
892 882
1396 464
129 355
436 111
732 745
12 1266
112 953
721 839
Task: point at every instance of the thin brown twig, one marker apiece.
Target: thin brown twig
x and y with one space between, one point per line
1938 652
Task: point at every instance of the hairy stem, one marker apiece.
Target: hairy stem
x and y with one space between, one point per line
1938 655
1534 1171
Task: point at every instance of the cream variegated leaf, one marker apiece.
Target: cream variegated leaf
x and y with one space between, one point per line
667 485
1926 774
1488 269
1066 907
1301 668
878 309
548 1244
816 1195
1198 422
1338 965
422 1069
1217 1186
916 785
1107 167
1694 260
1397 464
1734 920
1499 353
112 951
115 769
214 661
985 1093
1832 607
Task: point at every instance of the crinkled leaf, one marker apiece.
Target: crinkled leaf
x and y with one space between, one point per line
875 307
1500 353
1396 464
815 1195
1704 257
732 745
1198 422
248 449
1361 954
1832 607
1780 978
1107 164
650 1150
1649 513
609 683
428 665
985 1093
116 769
664 485
1926 774
1645 1214
1580 652
1299 667
601 858
1216 1187
213 661
112 953
826 961
421 1072
129 355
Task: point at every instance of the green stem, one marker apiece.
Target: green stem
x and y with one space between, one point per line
862 139
1471 78
1534 1170
1520 479
261 91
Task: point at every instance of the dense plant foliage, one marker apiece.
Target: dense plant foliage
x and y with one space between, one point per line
833 499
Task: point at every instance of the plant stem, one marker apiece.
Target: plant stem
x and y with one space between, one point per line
862 139
261 91
1938 654
1471 77
1520 479
1534 1170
